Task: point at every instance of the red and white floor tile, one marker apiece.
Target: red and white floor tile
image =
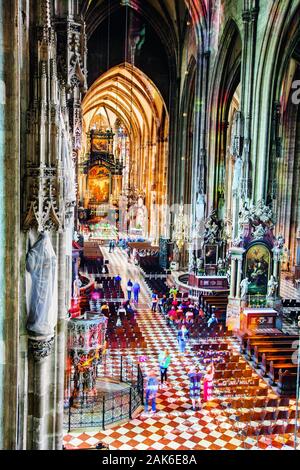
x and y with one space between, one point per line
175 426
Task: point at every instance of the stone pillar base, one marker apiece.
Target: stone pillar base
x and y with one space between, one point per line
233 316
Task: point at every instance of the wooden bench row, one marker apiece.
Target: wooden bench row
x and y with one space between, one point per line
246 340
275 356
234 373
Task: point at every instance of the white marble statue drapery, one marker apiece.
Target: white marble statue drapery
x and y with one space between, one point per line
41 264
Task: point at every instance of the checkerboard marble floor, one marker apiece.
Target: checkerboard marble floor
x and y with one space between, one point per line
175 426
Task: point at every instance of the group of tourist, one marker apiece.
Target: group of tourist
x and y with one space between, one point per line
197 380
133 288
180 313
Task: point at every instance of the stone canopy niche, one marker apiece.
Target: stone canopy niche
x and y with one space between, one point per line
254 271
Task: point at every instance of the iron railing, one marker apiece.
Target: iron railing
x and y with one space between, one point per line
101 409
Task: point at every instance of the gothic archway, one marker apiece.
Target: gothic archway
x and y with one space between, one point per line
126 94
225 102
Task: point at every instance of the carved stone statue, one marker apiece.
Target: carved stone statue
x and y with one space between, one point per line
238 240
41 264
76 288
272 287
220 263
244 214
237 175
220 267
175 253
259 232
200 207
228 274
279 242
192 263
261 213
244 288
200 264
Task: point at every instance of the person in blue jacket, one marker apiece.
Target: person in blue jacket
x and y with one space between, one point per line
129 289
136 290
151 391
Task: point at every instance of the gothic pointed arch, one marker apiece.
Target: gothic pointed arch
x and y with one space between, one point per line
132 99
283 161
222 95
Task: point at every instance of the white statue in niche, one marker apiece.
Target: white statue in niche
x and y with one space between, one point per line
220 264
76 288
200 207
41 264
228 274
200 264
244 288
272 287
141 214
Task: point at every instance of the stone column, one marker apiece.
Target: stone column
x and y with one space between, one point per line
238 281
233 277
10 176
275 263
40 349
60 341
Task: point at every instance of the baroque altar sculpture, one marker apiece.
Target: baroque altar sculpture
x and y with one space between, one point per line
244 288
272 287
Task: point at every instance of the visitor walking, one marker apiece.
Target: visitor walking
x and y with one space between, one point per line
212 320
164 360
208 383
195 386
173 292
129 289
182 338
151 391
162 302
154 297
136 290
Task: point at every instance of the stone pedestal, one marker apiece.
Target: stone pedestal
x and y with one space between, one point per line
233 314
40 348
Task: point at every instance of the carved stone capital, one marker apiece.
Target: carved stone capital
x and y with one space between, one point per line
41 347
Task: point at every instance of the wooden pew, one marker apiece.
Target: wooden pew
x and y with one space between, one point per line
270 338
276 368
259 350
284 343
287 381
276 358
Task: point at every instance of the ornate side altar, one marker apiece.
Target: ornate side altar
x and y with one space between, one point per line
208 270
255 265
